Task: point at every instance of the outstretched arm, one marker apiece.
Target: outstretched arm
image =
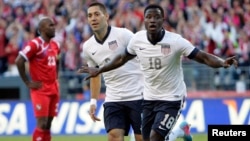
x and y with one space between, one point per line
214 61
114 63
117 61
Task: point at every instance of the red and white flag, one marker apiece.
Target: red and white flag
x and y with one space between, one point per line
165 49
113 45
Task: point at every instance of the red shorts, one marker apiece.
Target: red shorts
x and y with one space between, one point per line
45 104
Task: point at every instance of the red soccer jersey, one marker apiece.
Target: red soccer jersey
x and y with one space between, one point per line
42 60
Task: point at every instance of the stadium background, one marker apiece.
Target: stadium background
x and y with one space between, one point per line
215 96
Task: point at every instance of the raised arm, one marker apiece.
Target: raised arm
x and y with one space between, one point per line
214 61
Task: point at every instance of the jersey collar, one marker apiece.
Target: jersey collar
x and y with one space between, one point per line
40 37
159 39
105 37
43 43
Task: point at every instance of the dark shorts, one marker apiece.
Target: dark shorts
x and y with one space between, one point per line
160 116
123 115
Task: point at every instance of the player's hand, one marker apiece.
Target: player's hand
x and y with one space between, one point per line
230 61
34 85
93 72
92 111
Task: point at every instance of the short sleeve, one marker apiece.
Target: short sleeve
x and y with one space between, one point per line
30 50
130 47
186 46
128 35
58 47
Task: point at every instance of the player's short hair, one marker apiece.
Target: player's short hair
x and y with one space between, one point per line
100 5
154 6
41 23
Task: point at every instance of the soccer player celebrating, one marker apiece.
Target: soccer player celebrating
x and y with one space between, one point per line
41 53
122 106
160 53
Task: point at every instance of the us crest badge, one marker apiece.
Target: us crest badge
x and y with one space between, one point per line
165 49
113 45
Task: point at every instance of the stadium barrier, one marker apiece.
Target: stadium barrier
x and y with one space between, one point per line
16 117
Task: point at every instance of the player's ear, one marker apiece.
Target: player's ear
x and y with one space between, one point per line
107 16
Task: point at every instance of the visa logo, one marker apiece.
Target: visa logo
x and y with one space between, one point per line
238 114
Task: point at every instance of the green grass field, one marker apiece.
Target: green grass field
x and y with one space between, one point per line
196 137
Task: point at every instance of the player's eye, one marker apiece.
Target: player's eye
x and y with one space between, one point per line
97 14
157 17
52 24
148 16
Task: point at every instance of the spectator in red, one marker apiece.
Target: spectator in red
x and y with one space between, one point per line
3 59
11 51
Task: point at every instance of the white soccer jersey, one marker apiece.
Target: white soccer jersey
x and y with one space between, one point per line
161 65
124 83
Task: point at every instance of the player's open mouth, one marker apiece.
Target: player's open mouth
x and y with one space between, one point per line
152 27
94 24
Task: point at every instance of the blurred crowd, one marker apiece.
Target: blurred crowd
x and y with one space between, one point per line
220 27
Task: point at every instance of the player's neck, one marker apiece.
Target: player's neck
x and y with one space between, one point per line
46 39
101 34
155 37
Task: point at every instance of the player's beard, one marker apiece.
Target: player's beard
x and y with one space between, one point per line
51 34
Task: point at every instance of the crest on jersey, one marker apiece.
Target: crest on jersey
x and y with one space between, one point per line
113 45
165 49
38 107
